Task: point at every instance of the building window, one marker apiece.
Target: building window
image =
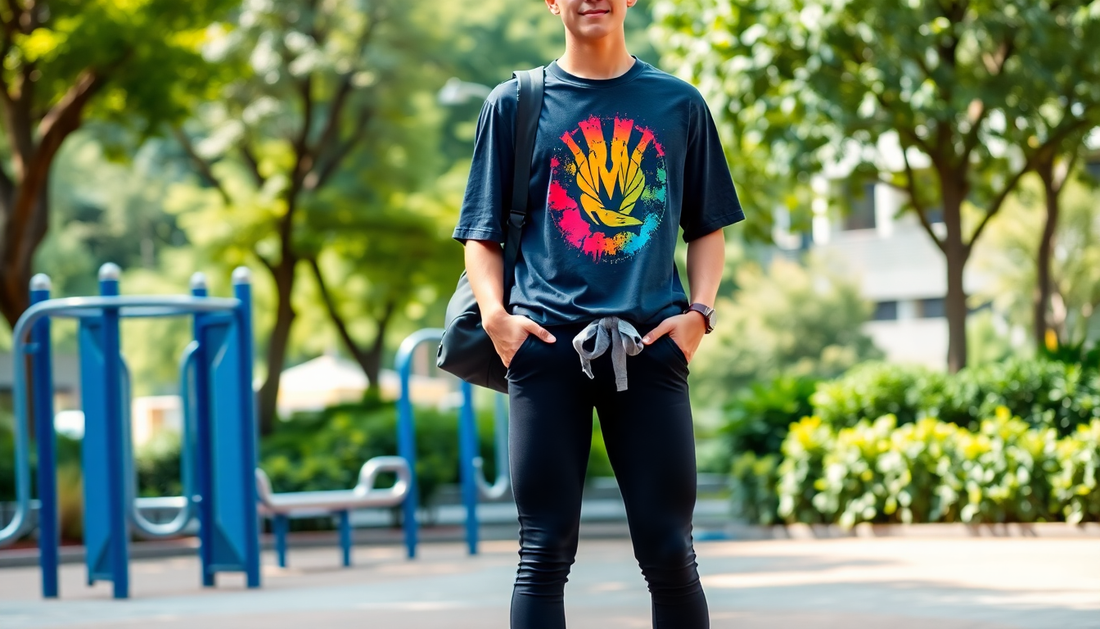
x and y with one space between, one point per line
861 210
885 311
931 308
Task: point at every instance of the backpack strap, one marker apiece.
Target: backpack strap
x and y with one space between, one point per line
527 124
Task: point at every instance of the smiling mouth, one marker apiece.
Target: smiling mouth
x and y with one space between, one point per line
595 13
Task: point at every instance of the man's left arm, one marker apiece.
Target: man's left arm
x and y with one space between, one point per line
706 257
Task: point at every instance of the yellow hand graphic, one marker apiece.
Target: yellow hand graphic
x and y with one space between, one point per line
625 175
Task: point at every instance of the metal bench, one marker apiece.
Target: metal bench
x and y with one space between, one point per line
280 507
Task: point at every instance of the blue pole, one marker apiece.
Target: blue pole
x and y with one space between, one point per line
279 524
345 537
204 483
42 396
116 492
467 451
406 446
242 290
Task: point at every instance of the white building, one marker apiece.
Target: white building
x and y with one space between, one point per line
899 269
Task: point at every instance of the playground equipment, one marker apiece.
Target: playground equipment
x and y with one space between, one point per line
472 479
281 506
218 389
222 487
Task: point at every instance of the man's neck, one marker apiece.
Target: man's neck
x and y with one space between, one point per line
601 59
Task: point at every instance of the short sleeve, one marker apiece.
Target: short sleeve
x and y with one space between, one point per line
482 214
709 200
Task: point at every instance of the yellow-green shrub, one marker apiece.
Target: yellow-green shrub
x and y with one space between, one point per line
934 471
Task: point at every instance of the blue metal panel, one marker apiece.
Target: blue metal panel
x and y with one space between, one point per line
228 531
231 540
94 450
42 387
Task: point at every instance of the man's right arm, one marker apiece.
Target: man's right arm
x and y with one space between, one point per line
485 271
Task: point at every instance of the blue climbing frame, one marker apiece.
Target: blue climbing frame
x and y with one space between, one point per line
470 464
223 407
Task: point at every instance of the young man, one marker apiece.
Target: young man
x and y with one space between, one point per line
624 155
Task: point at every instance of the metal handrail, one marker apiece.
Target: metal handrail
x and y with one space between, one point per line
503 482
406 431
128 306
184 503
363 495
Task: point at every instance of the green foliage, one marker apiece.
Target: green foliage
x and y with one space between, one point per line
934 471
324 451
7 464
157 465
148 52
758 417
1077 483
1042 393
753 481
803 465
915 93
877 389
792 320
70 501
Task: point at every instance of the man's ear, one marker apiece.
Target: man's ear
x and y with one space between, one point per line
553 6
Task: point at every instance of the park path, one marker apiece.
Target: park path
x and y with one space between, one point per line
983 583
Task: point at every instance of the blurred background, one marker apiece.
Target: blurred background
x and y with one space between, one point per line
907 327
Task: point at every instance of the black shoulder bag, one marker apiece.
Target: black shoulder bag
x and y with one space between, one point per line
466 349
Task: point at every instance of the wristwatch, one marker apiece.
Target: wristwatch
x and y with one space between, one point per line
706 311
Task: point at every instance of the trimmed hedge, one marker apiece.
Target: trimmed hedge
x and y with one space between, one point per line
929 471
1042 393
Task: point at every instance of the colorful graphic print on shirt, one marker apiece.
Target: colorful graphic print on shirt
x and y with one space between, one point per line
608 199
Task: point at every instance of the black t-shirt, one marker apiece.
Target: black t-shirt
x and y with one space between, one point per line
618 164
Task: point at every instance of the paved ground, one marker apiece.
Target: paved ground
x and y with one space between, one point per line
983 583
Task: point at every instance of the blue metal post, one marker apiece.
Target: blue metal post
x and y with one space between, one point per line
406 447
406 431
279 527
345 537
42 401
204 484
467 451
116 492
242 290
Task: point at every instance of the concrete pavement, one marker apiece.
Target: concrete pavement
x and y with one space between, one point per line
984 583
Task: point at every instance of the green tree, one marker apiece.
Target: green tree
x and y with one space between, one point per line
319 88
826 82
63 60
793 320
1008 258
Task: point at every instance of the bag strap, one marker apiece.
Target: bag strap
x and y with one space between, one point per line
527 124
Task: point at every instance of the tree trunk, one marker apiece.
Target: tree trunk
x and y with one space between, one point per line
956 310
370 361
277 346
956 254
373 364
1046 246
23 238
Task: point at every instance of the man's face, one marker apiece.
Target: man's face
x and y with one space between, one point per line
591 19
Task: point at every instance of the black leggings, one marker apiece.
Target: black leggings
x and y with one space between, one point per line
648 432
